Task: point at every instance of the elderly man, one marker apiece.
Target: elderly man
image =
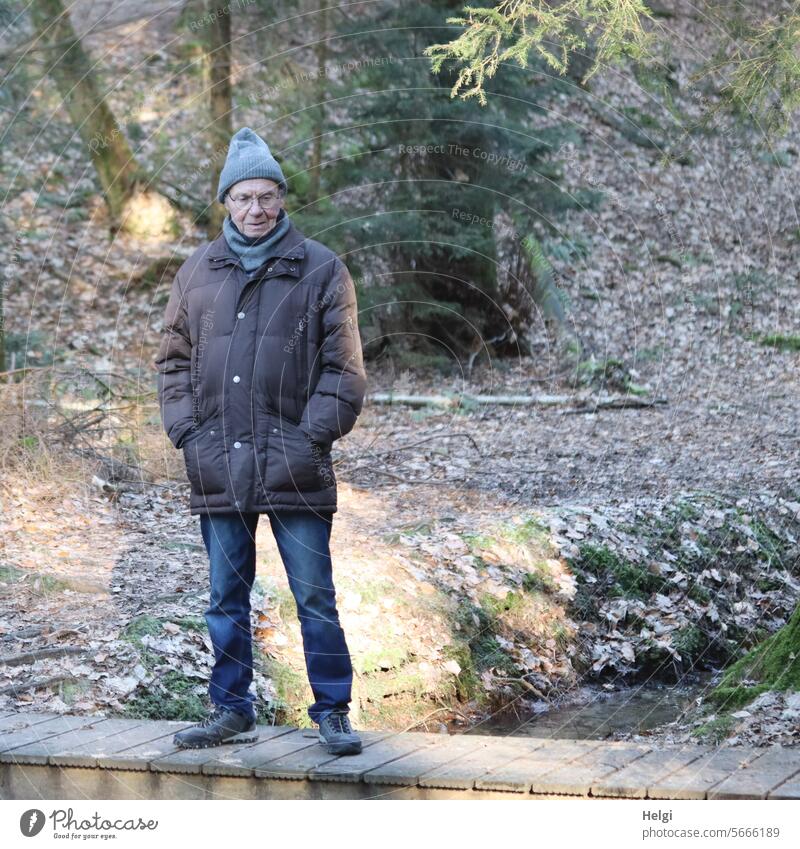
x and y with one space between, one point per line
260 369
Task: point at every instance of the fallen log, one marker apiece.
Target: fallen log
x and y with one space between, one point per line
581 403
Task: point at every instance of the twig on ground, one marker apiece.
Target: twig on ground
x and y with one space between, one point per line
527 685
16 689
38 654
426 718
406 480
427 439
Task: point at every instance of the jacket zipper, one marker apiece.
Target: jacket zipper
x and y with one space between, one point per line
256 282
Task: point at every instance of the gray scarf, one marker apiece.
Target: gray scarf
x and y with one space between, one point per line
254 251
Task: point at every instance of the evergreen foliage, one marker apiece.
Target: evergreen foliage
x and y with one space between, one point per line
416 185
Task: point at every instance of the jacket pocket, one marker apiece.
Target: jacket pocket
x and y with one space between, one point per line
301 358
290 463
323 463
204 457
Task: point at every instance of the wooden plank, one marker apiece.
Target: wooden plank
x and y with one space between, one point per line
694 780
633 781
123 752
242 763
295 765
493 753
129 754
353 767
439 762
519 775
191 760
788 790
408 769
16 721
39 731
74 747
756 779
577 778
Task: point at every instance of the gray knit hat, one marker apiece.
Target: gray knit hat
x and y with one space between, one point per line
248 158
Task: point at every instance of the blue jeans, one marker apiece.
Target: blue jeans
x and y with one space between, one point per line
303 540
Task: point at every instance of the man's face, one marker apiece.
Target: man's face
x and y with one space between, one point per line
244 201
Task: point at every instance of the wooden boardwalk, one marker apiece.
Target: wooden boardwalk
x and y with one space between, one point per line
51 756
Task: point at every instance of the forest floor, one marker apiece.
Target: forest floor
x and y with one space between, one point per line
488 561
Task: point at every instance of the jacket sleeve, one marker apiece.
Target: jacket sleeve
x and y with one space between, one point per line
173 364
335 404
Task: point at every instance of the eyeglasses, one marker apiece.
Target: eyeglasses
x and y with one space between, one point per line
266 201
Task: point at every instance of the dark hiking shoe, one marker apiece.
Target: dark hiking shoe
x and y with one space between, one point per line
335 731
221 726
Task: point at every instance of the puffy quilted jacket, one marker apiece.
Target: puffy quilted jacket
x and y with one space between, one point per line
259 374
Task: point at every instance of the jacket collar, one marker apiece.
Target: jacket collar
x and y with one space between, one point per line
290 246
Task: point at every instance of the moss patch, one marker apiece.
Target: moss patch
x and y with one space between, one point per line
292 692
382 658
467 684
689 642
781 341
539 580
715 730
71 691
478 649
774 664
41 582
172 695
623 578
528 532
10 574
139 626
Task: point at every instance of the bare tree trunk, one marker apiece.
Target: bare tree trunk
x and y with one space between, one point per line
5 279
321 87
2 295
120 176
218 58
2 324
72 73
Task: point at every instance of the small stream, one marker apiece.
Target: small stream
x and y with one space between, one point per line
596 714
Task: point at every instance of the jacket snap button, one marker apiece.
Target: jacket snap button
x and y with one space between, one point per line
241 315
274 430
236 378
211 433
237 444
270 268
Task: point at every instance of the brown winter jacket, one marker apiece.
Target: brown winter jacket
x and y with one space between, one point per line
258 375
